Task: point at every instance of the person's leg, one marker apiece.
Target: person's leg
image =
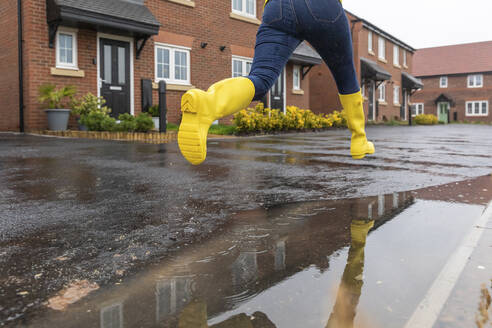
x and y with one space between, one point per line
274 45
327 29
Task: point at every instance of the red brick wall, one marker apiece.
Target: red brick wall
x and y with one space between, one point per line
9 68
324 94
458 91
293 99
209 21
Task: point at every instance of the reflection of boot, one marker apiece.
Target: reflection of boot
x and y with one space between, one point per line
359 230
359 146
200 109
352 280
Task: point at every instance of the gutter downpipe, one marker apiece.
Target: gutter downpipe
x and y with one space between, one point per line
21 68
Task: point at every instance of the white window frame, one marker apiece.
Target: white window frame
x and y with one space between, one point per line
404 58
396 95
244 61
381 48
363 90
417 110
294 69
370 42
382 92
441 80
473 102
73 33
172 49
396 55
472 81
243 12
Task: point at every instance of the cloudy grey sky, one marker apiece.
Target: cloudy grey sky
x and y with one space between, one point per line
428 23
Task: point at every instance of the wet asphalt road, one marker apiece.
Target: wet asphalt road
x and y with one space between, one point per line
100 210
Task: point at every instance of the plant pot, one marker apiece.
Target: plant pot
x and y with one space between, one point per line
156 122
58 119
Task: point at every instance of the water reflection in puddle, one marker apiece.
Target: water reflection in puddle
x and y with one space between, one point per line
297 265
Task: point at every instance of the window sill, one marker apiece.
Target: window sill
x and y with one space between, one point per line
67 72
245 19
477 115
382 103
475 87
187 3
365 98
174 87
382 60
396 105
297 91
397 66
371 53
405 66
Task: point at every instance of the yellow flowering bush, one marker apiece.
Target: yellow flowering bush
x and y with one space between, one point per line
261 119
426 119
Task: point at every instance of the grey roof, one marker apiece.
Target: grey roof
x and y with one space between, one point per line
130 10
306 55
409 81
370 70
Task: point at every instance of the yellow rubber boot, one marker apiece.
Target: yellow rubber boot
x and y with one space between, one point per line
359 146
200 109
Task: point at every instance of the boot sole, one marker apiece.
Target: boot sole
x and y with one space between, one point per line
190 135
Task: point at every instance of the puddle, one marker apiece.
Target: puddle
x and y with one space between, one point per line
364 262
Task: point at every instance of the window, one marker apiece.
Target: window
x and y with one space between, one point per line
296 78
396 56
381 48
477 108
172 64
443 82
396 95
475 81
241 66
66 49
418 109
244 7
404 58
369 43
363 90
382 92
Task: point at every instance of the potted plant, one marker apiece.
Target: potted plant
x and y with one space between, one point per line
154 112
86 105
58 103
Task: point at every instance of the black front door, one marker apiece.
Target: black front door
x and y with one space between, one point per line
115 75
403 109
277 93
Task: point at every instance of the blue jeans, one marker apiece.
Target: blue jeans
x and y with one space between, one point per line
286 23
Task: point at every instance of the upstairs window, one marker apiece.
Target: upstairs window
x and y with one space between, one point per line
404 58
244 7
475 81
172 64
443 82
381 48
396 55
369 43
66 49
241 66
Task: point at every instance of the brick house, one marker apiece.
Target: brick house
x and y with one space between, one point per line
383 64
108 47
457 82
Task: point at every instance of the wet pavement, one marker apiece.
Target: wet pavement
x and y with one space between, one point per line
258 236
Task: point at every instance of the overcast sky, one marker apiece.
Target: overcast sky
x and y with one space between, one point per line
428 23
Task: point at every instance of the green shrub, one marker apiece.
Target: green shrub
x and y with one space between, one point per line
144 123
90 103
108 124
426 119
127 123
154 111
94 120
